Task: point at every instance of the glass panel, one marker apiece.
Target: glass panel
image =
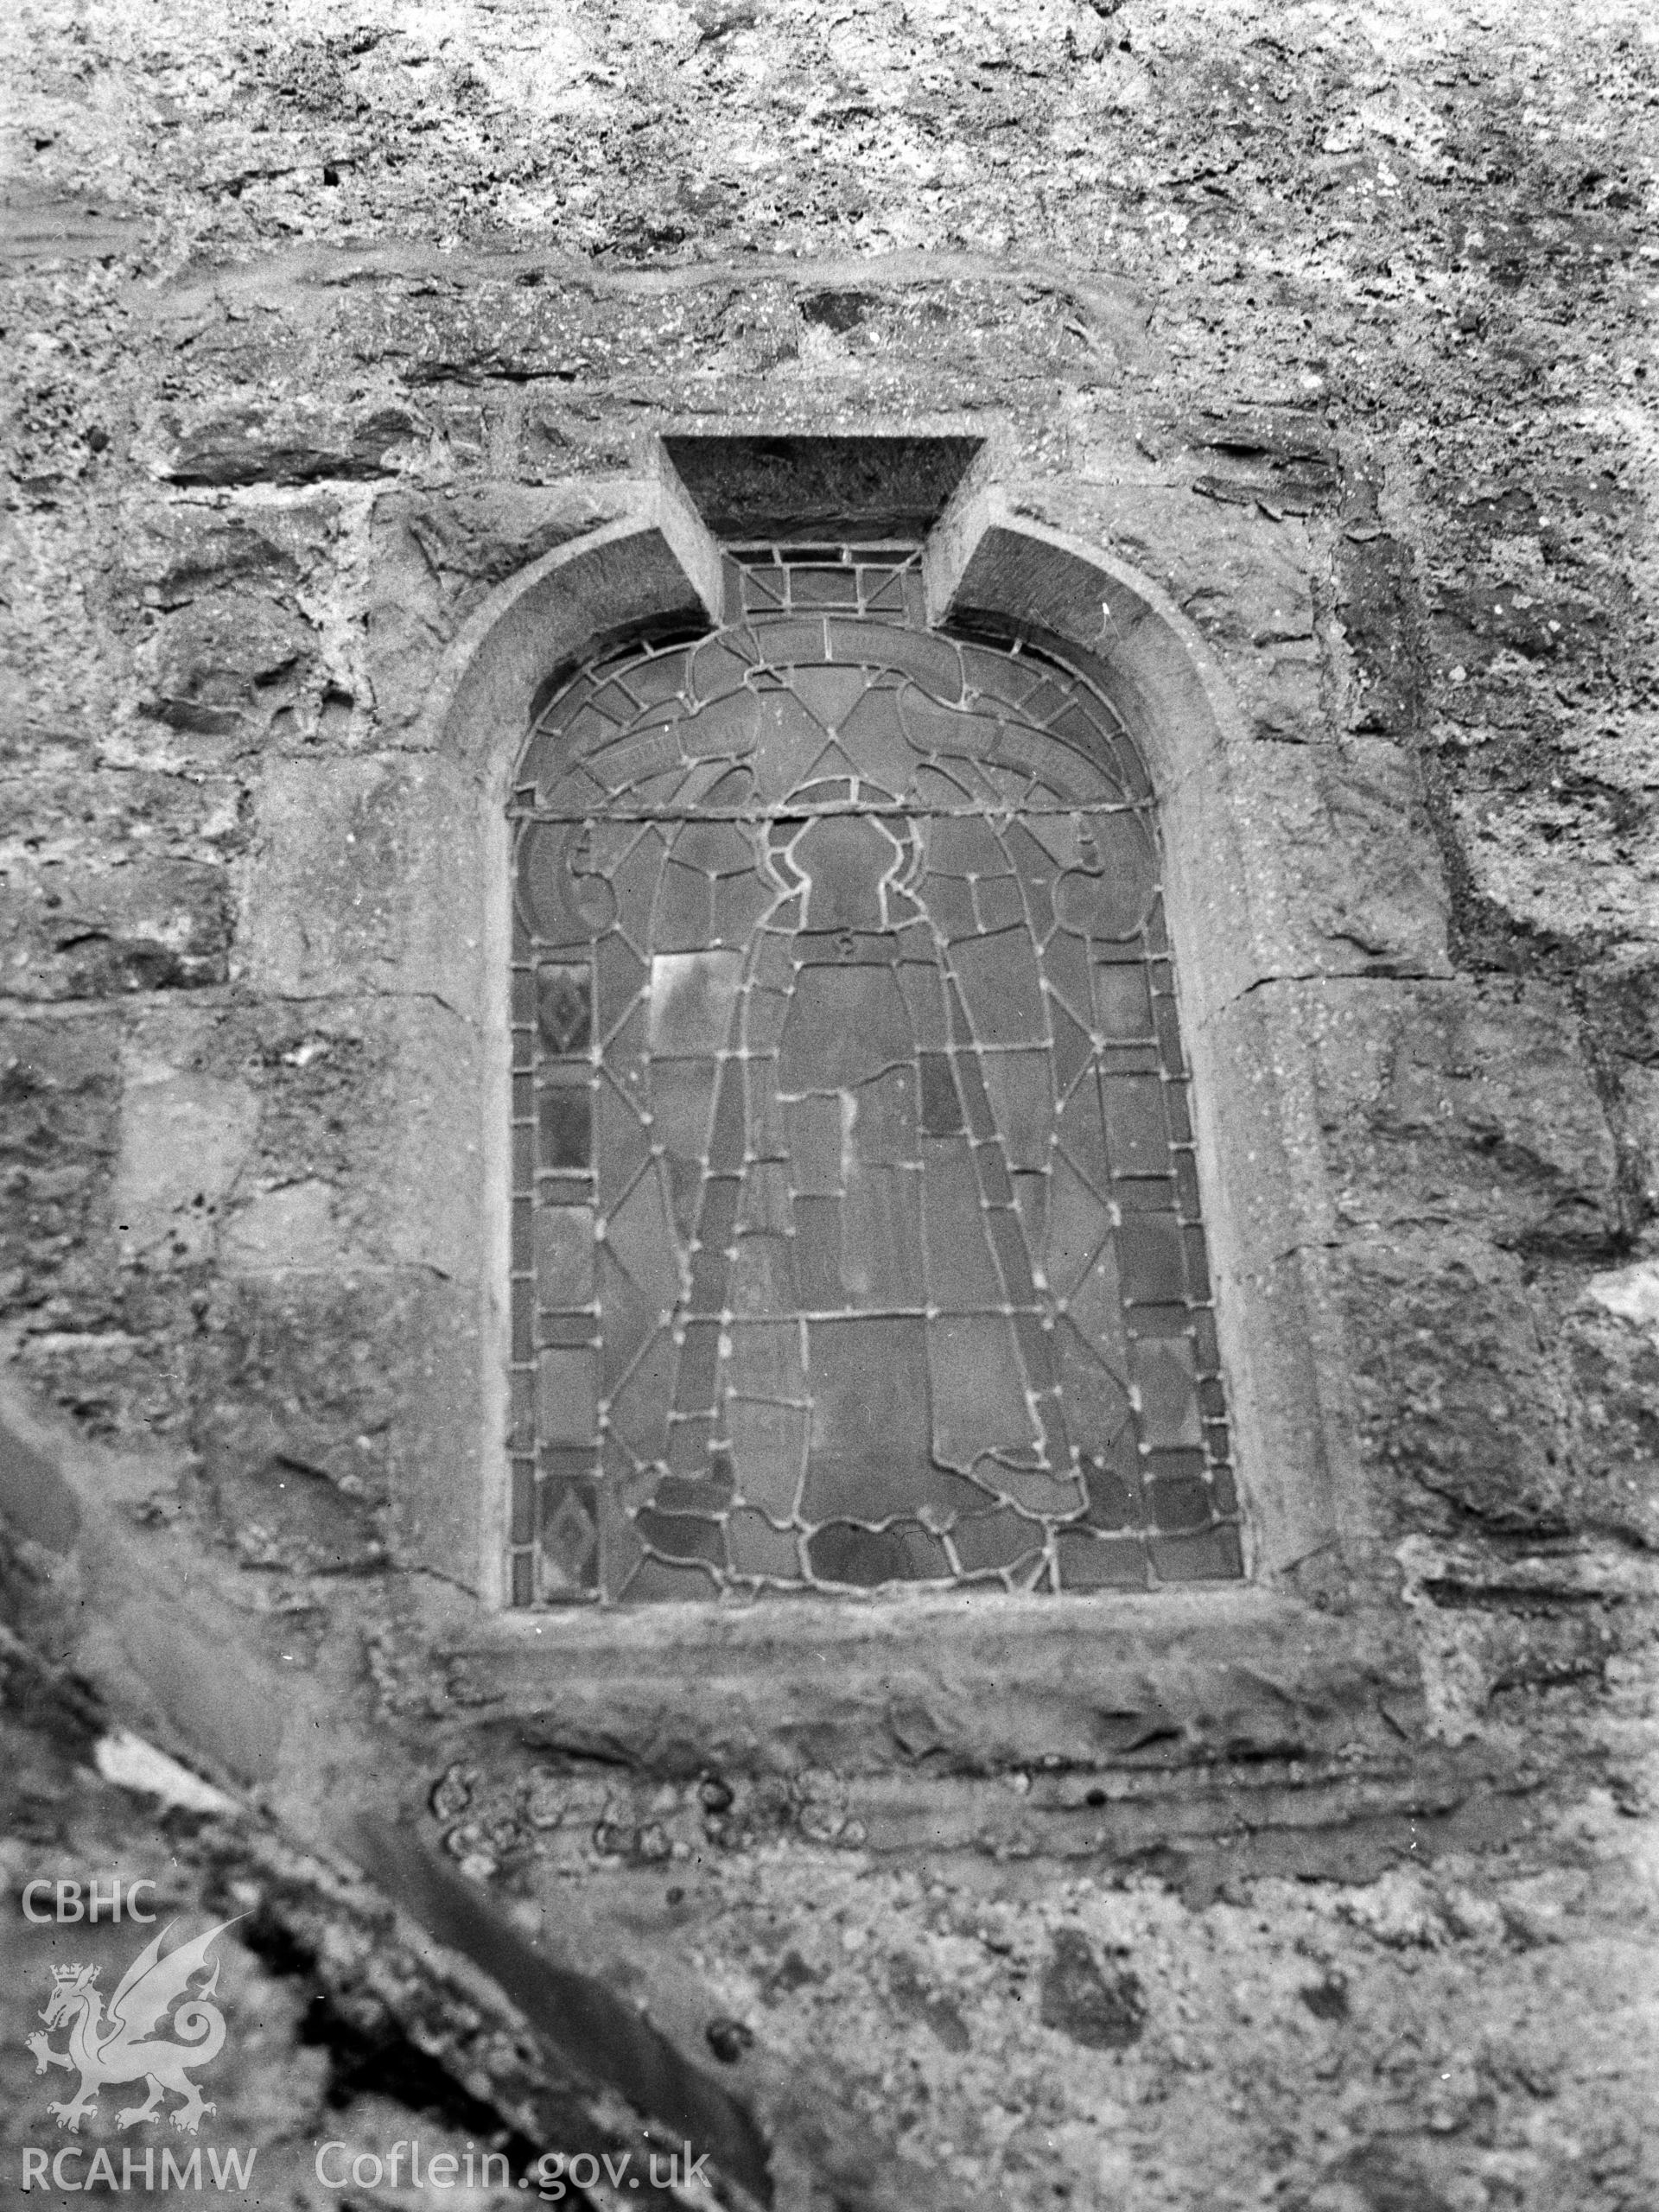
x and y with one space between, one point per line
727 730
815 1141
764 1277
868 1381
716 848
622 1146
1096 1308
566 1412
1177 1493
640 1239
979 1397
1150 1257
1022 1101
925 1555
934 663
999 980
845 1026
1088 1562
684 916
1123 1002
763 1201
716 668
991 1541
1031 1197
566 1328
1082 1141
566 1128
564 1254
863 1559
636 760
1078 1222
621 976
964 845
1065 967
1136 1131
1165 1380
1095 1398
1112 1478
682 1107
564 1008
960 1270
872 740
682 1536
817 1254
998 903
882 1127
760 1549
831 694
739 902
566 904
768 1454
942 1114
568 1538
880 1240
766 1360
656 1582
784 645
635 884
627 1317
522 1523
949 903
1212 1557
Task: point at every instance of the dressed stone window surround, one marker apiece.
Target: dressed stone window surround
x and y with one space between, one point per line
999 1676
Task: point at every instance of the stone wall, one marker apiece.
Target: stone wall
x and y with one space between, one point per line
322 329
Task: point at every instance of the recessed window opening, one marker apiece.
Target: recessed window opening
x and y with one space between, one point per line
856 1234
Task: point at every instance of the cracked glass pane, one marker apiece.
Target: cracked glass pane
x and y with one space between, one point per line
857 1231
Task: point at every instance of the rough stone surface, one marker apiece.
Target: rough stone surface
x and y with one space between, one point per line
1335 324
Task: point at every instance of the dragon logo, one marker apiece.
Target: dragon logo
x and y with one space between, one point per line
121 2047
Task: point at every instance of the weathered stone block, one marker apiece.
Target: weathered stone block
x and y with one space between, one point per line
115 818
1455 1393
1611 1343
1104 2010
1245 581
1376 606
59 1084
367 1381
1347 876
185 1137
171 555
371 1143
1465 1102
363 879
228 662
278 1512
87 932
436 556
295 444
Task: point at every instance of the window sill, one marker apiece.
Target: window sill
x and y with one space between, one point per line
973 1683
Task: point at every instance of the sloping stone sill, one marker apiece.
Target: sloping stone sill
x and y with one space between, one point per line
968 1682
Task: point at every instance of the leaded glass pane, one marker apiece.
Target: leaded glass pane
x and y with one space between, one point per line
856 1238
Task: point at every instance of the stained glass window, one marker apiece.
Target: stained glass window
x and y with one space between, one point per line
856 1236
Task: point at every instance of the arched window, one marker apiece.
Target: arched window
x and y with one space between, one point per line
856 1237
